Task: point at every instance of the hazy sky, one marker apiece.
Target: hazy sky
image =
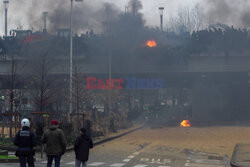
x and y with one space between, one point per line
20 9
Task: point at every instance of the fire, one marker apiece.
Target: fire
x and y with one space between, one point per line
151 43
185 123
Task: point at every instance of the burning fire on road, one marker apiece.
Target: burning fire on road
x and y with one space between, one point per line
185 123
151 43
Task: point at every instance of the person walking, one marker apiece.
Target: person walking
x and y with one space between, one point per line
55 141
25 140
81 147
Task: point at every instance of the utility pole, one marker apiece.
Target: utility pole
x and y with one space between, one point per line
71 56
70 61
161 9
6 5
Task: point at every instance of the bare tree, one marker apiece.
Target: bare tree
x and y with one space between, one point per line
198 18
187 20
81 96
13 82
43 85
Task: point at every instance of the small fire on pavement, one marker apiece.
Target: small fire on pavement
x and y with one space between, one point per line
151 43
185 123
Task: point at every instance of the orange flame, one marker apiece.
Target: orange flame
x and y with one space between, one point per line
151 43
185 123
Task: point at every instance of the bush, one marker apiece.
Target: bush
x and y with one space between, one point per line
69 133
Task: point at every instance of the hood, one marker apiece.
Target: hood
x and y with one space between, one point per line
53 127
86 137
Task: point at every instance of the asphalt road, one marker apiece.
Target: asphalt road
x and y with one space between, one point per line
127 152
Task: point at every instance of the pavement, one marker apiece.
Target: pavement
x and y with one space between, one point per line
129 151
139 156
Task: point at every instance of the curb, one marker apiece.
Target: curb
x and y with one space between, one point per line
70 148
9 161
241 156
232 161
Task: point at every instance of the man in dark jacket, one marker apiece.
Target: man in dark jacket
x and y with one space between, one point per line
55 144
25 140
82 145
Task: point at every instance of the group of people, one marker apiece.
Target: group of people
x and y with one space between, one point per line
55 142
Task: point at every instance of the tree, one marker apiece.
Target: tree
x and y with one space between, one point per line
187 20
13 82
43 86
81 96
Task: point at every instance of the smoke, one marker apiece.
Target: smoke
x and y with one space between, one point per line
94 14
135 6
229 12
132 23
86 16
245 17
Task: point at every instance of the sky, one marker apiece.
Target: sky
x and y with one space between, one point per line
20 10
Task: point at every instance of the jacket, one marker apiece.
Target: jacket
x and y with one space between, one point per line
55 141
82 145
25 140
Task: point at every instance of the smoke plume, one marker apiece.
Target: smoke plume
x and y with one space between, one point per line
135 6
86 16
228 12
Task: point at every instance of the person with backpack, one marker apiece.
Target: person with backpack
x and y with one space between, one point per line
81 147
25 140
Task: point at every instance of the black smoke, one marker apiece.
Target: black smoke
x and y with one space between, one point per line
135 6
86 15
228 12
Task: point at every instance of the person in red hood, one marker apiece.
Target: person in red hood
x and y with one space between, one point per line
55 141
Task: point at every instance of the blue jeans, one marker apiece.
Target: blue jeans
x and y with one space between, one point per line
78 163
50 160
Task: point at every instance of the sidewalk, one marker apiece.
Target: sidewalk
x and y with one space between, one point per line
96 141
112 136
101 140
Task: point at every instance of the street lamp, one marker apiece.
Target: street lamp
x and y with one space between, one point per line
6 6
45 14
161 9
71 56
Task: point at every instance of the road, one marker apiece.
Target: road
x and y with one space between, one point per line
133 151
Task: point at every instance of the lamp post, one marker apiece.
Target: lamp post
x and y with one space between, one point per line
161 9
45 14
6 6
71 56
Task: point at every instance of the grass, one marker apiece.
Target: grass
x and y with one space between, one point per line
7 157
